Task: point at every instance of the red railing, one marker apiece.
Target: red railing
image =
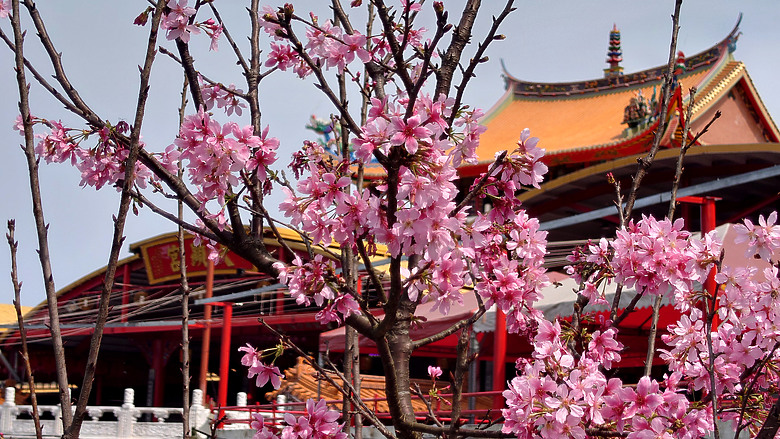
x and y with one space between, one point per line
273 414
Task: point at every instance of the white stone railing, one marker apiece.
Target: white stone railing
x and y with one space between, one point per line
126 425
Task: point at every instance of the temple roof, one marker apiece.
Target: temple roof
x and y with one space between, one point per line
584 121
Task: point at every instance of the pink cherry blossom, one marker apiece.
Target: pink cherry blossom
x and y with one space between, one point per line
5 8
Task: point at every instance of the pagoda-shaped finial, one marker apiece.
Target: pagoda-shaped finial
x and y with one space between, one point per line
614 54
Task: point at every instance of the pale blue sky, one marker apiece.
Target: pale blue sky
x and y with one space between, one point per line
547 41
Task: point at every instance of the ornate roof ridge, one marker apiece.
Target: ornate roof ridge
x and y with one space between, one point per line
699 61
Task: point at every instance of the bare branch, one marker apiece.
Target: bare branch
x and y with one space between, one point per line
41 227
468 74
346 390
20 321
647 161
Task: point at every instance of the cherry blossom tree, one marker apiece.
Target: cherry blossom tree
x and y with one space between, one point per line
397 92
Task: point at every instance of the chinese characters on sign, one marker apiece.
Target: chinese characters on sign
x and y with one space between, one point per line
163 262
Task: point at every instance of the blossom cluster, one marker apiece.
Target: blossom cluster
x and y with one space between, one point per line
556 395
425 220
745 337
178 23
328 45
318 422
216 155
100 165
226 98
734 351
253 360
316 280
650 255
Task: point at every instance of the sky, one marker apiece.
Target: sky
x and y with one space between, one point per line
546 41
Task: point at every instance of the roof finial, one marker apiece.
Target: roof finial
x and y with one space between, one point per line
614 54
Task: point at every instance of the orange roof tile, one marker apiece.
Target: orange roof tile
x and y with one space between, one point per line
8 313
568 123
301 382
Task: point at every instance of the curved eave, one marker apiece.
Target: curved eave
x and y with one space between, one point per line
602 169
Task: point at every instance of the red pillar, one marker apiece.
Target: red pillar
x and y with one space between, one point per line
205 344
224 356
499 357
708 224
158 366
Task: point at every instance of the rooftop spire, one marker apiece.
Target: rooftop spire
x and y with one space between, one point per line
614 54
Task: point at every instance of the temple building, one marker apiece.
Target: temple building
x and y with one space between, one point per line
589 129
604 125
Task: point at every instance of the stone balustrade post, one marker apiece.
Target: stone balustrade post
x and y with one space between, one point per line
7 412
199 415
127 415
58 427
241 399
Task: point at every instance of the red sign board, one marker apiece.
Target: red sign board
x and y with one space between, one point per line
162 260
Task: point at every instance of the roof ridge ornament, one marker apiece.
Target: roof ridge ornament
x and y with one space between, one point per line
731 40
614 54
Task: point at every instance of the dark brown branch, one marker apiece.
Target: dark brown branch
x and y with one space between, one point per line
59 72
375 281
772 423
630 308
396 50
119 223
42 81
20 321
481 185
185 297
645 163
41 227
428 406
462 361
173 218
460 38
478 58
452 329
749 389
188 64
441 29
464 432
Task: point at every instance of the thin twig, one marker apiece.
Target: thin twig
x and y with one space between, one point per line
22 331
428 406
647 161
630 308
452 329
185 296
344 390
468 74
